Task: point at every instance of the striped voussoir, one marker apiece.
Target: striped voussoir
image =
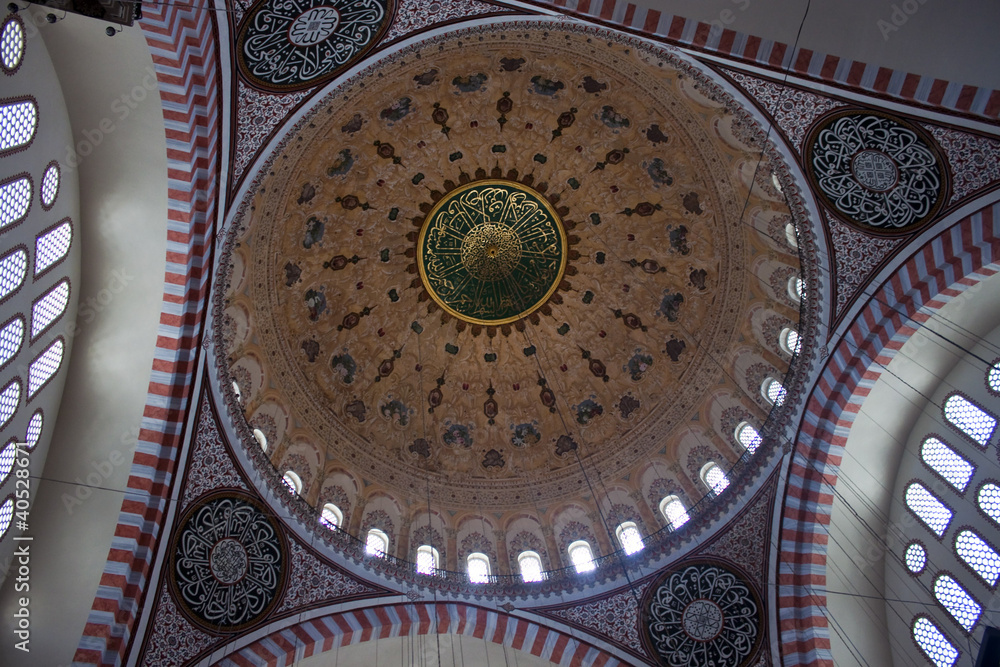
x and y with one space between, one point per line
944 268
934 93
183 44
289 645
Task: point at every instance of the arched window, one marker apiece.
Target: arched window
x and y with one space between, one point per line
6 514
926 506
978 555
427 559
714 478
948 463
916 557
674 512
582 556
10 398
11 337
530 565
34 432
796 289
970 419
773 391
790 341
11 44
479 568
18 121
376 543
989 501
48 308
15 199
260 438
52 246
50 185
957 601
629 537
993 378
44 367
748 436
12 270
292 481
933 643
791 236
7 456
331 516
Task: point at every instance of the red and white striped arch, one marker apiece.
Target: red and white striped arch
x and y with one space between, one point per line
289 645
958 258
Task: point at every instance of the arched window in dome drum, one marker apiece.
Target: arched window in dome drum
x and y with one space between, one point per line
915 557
12 270
15 199
47 309
6 514
978 555
11 338
582 556
629 537
530 565
948 463
7 456
10 398
933 643
293 482
428 559
957 601
796 289
11 44
773 391
791 236
52 246
993 378
44 367
259 436
714 478
748 437
989 501
478 565
376 543
790 341
970 419
34 432
928 508
331 516
673 510
18 122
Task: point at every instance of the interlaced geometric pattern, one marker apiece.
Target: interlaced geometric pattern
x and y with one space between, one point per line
11 337
34 431
15 197
934 644
7 457
675 513
50 185
916 558
44 367
48 308
52 246
970 419
11 44
928 508
946 462
6 514
957 601
993 378
12 270
18 121
749 438
989 501
978 555
530 565
10 397
716 479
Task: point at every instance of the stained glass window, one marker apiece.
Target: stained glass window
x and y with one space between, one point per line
748 436
790 341
331 516
376 543
989 500
292 481
582 556
44 367
978 555
34 432
674 512
926 506
993 378
6 514
18 121
427 559
957 601
15 198
10 398
11 44
50 185
629 537
479 568
11 337
970 419
52 246
7 456
714 478
530 564
934 644
916 558
773 391
48 308
948 463
12 270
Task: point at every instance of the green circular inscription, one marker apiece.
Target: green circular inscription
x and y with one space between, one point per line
491 252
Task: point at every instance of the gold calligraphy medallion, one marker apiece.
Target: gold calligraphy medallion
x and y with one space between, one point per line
491 252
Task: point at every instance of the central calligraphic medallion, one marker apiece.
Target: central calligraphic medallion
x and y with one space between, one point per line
491 252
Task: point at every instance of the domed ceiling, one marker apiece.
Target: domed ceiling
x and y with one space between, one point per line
506 259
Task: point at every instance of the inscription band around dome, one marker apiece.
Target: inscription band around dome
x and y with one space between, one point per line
491 252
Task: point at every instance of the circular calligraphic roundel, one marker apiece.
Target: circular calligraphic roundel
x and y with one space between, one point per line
491 252
702 614
303 43
876 171
228 562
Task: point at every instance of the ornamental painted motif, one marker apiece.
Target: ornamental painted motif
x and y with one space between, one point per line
702 614
291 44
875 171
227 563
491 252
